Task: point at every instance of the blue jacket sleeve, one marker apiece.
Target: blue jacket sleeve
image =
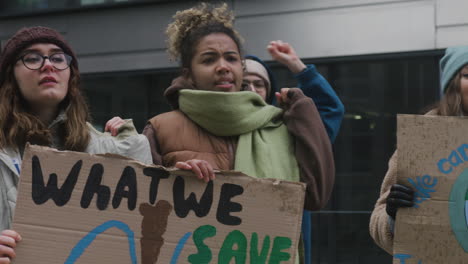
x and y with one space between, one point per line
330 108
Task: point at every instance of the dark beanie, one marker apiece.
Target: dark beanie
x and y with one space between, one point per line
26 37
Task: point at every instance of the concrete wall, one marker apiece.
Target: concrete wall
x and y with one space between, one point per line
451 23
326 28
132 38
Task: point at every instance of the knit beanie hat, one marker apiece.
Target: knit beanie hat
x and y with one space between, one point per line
454 59
271 99
255 68
26 37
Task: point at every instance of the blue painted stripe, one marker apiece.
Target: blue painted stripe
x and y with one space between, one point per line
18 168
78 250
466 212
16 164
179 247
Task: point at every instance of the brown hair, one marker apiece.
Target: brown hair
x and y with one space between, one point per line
451 103
192 24
18 126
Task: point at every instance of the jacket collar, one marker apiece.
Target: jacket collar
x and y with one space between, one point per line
172 92
12 159
61 117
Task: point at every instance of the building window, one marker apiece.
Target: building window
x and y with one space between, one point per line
136 96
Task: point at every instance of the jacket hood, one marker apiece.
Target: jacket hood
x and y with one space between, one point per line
273 85
172 92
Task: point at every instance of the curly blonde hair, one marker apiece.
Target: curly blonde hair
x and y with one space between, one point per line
192 24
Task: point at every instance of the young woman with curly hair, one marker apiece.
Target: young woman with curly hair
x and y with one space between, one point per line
215 125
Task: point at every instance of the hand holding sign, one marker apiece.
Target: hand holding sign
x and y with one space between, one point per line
201 168
8 240
399 196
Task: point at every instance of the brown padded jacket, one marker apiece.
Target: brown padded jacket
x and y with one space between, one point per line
174 137
180 139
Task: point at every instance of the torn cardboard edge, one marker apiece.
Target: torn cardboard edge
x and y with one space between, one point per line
171 170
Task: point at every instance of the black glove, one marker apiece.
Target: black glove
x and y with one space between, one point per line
399 196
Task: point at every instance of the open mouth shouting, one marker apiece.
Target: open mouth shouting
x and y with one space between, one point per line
225 84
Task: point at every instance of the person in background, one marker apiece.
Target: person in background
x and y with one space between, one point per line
454 102
41 103
259 78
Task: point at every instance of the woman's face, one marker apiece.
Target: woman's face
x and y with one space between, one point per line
216 64
254 83
46 86
464 88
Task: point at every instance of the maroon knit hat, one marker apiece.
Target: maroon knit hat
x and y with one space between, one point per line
26 37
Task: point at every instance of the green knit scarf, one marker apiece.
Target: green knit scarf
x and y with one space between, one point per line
265 148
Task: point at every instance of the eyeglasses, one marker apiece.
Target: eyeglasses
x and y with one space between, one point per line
35 61
257 85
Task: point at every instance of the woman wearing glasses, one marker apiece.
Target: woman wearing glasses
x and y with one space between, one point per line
41 103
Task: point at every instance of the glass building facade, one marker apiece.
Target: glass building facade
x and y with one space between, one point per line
373 89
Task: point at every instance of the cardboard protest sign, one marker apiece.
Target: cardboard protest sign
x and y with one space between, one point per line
433 160
81 208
